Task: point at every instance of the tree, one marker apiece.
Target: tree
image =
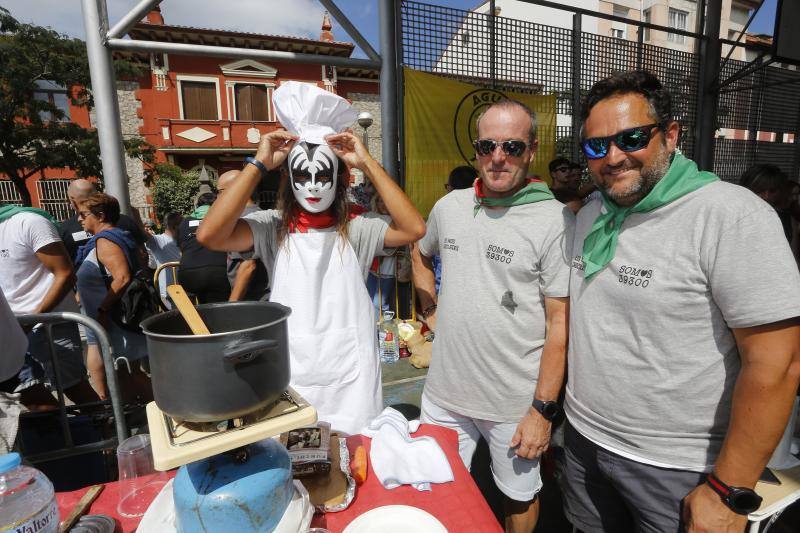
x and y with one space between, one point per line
174 190
34 132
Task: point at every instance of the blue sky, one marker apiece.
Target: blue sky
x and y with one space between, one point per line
293 17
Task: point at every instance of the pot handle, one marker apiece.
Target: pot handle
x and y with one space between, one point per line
244 353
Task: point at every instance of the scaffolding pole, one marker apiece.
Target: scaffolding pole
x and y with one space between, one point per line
707 93
389 120
104 93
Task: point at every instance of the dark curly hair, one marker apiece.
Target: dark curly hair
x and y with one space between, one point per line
763 177
636 82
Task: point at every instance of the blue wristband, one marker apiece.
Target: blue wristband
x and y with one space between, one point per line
258 164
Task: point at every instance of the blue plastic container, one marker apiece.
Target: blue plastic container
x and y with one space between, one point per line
221 494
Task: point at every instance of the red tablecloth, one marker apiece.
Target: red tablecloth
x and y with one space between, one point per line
458 505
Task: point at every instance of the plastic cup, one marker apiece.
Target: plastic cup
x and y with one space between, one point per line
139 481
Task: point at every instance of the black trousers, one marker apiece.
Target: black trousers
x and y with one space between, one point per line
208 283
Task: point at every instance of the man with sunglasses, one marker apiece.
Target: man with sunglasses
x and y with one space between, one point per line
499 355
564 185
684 351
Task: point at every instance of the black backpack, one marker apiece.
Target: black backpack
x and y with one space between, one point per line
139 301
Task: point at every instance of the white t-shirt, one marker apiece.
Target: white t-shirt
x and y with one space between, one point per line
15 343
23 278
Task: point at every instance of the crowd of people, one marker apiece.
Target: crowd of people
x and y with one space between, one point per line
673 296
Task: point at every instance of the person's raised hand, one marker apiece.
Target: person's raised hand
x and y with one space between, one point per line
274 148
349 149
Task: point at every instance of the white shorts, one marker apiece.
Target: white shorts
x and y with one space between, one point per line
517 478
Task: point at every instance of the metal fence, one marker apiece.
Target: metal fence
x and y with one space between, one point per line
531 57
9 194
53 198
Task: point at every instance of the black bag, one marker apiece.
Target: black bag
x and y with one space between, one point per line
138 302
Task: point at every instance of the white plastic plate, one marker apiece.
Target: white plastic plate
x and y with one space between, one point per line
396 519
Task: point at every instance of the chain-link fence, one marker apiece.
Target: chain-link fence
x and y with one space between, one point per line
531 57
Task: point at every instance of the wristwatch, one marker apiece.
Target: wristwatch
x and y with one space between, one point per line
550 410
740 500
258 164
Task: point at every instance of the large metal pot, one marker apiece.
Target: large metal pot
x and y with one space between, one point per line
241 366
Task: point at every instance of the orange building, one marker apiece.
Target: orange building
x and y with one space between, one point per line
208 113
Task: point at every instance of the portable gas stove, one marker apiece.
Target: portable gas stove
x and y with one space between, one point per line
177 443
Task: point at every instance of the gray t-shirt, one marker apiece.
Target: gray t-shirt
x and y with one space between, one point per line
497 267
652 359
258 288
365 233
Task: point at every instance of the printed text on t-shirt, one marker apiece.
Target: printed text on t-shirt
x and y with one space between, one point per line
635 276
498 253
450 244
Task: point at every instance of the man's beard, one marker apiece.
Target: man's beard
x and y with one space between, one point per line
648 178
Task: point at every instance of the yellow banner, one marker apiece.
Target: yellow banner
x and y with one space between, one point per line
440 116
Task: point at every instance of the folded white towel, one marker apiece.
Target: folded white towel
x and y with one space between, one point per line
397 459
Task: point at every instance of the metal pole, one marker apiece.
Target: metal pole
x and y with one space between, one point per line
401 83
351 30
389 136
131 18
576 84
492 36
640 48
708 96
796 162
104 92
205 50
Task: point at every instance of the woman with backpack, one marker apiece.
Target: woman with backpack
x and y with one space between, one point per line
105 267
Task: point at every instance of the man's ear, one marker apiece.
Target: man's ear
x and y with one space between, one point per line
671 134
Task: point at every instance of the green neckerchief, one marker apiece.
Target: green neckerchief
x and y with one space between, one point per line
534 191
8 211
200 212
600 243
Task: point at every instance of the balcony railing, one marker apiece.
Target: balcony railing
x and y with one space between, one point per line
212 133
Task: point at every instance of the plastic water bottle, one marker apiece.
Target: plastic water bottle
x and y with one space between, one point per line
27 500
388 341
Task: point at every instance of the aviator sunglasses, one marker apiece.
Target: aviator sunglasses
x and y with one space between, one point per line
629 140
487 146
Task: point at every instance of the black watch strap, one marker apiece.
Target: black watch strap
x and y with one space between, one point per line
740 500
548 409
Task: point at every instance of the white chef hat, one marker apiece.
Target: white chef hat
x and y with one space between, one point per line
311 113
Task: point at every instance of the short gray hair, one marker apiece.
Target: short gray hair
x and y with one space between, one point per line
508 104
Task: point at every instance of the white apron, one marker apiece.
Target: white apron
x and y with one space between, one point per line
332 341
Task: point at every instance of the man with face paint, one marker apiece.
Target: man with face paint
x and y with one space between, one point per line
317 254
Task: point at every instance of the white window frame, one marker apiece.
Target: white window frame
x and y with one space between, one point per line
204 79
646 17
262 70
48 89
231 92
677 14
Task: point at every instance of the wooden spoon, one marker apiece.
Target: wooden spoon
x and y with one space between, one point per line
80 507
187 310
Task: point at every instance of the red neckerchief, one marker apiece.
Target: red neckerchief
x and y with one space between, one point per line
302 220
478 186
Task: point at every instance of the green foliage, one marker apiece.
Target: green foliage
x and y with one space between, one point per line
34 133
174 190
